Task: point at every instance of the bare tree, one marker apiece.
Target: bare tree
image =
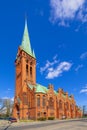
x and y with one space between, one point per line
6 103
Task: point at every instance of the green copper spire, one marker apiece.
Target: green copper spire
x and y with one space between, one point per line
26 46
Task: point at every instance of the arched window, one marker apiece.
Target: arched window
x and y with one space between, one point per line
44 101
66 105
51 102
38 100
31 71
25 99
60 104
72 106
26 60
27 69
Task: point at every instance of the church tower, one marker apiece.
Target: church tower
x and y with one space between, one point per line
25 65
25 61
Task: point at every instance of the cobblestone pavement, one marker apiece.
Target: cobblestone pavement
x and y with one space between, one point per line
52 125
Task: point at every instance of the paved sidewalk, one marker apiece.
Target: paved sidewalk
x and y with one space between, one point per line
18 124
4 124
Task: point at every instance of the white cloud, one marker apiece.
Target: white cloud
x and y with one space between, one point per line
12 99
84 89
64 11
55 68
56 72
83 55
79 67
49 64
50 69
5 98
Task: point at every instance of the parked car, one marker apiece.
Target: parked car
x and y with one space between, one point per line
12 119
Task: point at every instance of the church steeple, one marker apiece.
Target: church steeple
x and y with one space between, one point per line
26 46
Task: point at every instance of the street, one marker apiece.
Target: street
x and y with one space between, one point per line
52 125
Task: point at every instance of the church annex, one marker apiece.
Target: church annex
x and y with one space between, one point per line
33 100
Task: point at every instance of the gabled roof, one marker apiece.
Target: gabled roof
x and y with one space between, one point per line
63 95
56 93
40 88
30 86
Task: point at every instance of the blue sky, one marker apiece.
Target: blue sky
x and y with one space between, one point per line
58 34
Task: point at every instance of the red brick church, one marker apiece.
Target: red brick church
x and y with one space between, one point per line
33 100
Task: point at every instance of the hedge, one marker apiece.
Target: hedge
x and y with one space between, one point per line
41 119
51 118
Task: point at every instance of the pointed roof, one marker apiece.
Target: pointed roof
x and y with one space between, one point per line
26 46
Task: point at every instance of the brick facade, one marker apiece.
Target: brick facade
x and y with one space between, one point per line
32 100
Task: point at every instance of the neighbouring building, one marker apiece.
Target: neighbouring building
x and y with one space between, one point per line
33 100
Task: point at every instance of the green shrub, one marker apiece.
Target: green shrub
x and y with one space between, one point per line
41 119
26 120
51 118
